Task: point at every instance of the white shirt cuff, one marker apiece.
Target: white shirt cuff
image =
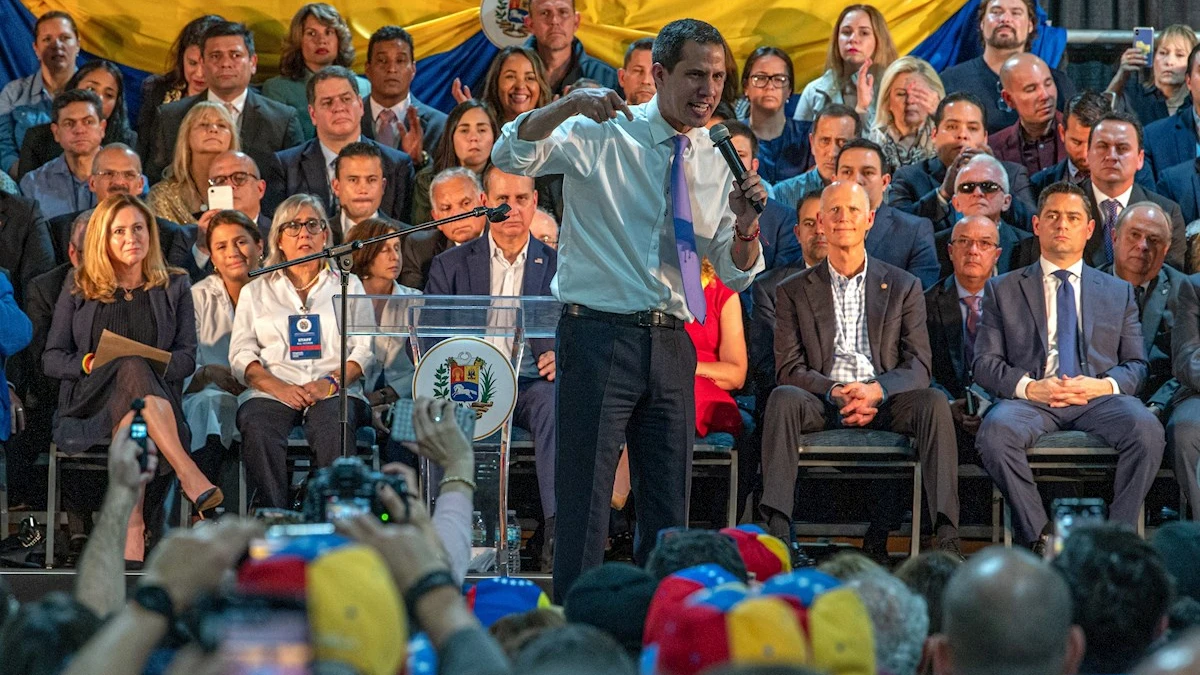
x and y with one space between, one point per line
1022 385
1116 387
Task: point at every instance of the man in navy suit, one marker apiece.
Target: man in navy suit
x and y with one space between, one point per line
1173 141
1060 345
392 115
981 189
778 219
897 238
1083 112
1181 184
508 261
336 109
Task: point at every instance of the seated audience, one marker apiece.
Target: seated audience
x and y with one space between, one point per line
1084 110
293 384
855 382
335 106
106 81
544 228
1035 140
229 61
1046 383
927 187
833 126
720 357
1172 141
392 116
453 192
1007 28
318 37
685 549
210 398
1183 427
520 265
1121 594
15 333
952 312
60 185
783 149
358 185
636 77
1163 93
927 575
860 50
240 171
514 83
123 286
181 196
1115 155
25 247
981 189
1005 611
903 125
552 25
184 77
26 102
777 220
471 129
899 621
897 238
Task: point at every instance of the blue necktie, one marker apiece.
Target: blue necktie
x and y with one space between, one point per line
1068 326
685 236
1110 222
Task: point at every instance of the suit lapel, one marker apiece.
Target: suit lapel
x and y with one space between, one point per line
878 290
1089 284
316 177
877 235
368 120
479 267
535 268
820 304
1031 287
1155 305
950 317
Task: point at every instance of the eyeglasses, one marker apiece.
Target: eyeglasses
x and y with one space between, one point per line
112 175
548 239
313 225
966 244
237 178
987 186
760 81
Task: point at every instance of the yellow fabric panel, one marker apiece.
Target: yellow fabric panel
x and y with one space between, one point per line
137 33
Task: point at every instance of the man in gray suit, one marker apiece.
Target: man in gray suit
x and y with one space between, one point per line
852 350
1078 366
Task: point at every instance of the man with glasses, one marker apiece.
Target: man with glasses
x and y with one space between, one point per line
238 171
981 189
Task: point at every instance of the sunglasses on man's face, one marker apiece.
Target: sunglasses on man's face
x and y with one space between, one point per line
987 186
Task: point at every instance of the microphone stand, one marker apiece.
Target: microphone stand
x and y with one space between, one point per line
342 254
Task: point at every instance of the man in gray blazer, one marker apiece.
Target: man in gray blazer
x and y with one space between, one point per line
852 351
1060 345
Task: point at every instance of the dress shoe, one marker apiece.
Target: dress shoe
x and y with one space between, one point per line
209 500
951 545
874 546
75 550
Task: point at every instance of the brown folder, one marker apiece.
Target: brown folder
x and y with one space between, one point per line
113 346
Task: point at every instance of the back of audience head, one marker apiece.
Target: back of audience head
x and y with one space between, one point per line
1007 24
573 649
690 548
515 631
184 71
104 79
116 170
1083 111
515 83
893 94
228 58
862 161
471 130
234 244
358 180
238 170
1116 152
899 621
41 636
846 565
285 238
960 123
860 33
207 129
833 126
758 669
315 27
810 231
981 188
615 598
455 191
1121 594
1006 612
1178 546
763 68
928 574
634 76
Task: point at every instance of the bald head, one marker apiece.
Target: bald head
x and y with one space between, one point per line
1028 86
240 172
117 169
1140 242
1006 612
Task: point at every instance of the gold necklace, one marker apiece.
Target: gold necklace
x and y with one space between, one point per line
129 291
310 284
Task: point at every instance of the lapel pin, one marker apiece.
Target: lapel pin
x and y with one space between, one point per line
883 285
537 261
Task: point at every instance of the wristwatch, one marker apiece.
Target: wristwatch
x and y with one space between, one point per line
155 599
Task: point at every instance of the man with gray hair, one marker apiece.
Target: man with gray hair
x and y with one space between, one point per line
452 192
899 621
1005 612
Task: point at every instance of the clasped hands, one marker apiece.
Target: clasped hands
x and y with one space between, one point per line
1061 392
857 402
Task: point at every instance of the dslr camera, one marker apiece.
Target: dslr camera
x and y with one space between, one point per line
347 488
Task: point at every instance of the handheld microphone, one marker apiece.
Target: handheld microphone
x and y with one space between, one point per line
498 214
721 138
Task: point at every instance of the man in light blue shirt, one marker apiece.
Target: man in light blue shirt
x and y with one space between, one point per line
61 185
646 194
56 43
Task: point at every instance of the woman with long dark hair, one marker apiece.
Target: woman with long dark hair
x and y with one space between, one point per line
471 129
184 77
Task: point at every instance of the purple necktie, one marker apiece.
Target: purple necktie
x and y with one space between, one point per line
386 132
1110 222
973 307
685 237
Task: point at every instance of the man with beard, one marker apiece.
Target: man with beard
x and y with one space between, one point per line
56 43
1008 28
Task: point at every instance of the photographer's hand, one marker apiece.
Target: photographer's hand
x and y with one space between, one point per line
440 440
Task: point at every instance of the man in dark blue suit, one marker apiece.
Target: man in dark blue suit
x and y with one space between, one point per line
336 109
1173 141
508 261
981 189
1181 184
897 238
1083 112
1060 345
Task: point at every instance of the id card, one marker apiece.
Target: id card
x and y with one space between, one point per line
304 337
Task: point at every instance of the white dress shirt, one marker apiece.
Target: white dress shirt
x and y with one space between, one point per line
616 248
1050 284
212 411
238 103
260 330
508 278
851 342
392 355
1099 198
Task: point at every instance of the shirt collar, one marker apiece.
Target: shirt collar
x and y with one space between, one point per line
347 223
964 293
497 254
400 109
837 276
1122 198
1048 268
330 155
660 129
239 103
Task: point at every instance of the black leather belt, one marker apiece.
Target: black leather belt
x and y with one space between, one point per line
649 319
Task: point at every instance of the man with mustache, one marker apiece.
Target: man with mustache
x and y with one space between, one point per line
1035 140
25 103
553 24
1007 28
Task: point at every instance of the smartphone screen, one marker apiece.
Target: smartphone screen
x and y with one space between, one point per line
1070 514
220 197
265 640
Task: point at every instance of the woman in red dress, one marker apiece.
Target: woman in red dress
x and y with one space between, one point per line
720 357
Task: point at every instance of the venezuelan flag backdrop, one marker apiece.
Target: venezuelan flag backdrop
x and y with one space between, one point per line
449 42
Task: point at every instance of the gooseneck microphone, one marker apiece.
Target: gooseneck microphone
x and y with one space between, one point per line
721 138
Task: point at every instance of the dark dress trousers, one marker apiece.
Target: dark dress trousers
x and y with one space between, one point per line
1183 427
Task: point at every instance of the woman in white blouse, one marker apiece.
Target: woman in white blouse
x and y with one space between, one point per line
210 400
286 349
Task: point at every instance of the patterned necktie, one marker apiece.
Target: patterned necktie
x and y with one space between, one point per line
1110 207
385 128
1139 294
237 121
1068 326
685 236
973 307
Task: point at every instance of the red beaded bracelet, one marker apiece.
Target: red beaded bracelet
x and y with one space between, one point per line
747 237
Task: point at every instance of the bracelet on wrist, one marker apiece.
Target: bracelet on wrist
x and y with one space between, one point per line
748 237
457 479
425 585
88 360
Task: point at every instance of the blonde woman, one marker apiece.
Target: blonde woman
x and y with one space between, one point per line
909 93
318 37
860 49
124 286
1163 91
207 130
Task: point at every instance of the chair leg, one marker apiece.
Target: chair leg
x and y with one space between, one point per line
731 516
997 504
914 546
3 495
243 507
51 505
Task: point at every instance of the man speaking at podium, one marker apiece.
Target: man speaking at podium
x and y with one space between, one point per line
647 195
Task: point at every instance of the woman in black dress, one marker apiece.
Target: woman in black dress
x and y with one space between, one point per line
123 285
